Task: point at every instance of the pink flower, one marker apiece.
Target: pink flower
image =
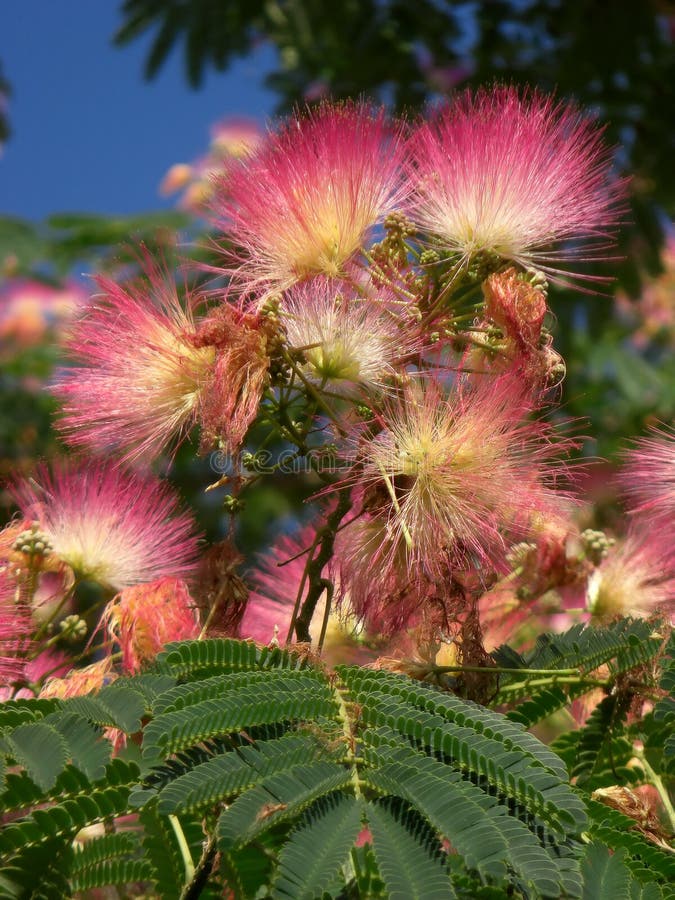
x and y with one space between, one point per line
448 478
139 383
110 526
636 578
508 173
649 479
304 204
346 338
145 617
29 309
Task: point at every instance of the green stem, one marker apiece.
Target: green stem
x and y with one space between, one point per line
350 756
655 780
188 862
200 874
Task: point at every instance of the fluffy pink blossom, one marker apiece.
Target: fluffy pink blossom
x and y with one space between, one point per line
346 338
636 578
649 479
304 204
110 526
145 617
511 173
138 383
447 478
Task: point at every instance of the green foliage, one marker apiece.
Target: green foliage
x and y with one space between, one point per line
621 646
67 240
598 754
647 861
606 877
260 771
318 847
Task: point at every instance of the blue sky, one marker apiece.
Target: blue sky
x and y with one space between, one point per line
89 134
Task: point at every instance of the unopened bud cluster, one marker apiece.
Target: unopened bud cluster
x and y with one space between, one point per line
596 545
32 542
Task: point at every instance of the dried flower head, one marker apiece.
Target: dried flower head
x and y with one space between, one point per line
231 395
305 202
508 173
110 526
649 478
78 682
15 630
140 378
145 617
511 336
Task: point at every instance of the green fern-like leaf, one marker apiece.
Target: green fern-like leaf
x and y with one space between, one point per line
621 646
317 848
606 876
86 747
647 861
599 753
410 865
280 797
228 774
100 849
202 659
16 712
283 699
116 706
159 842
111 872
477 743
40 749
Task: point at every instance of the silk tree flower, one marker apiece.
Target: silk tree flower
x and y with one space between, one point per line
511 173
110 526
306 201
451 477
636 578
649 479
145 617
30 310
231 138
138 386
347 339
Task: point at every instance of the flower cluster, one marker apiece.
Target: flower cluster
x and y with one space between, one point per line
378 299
